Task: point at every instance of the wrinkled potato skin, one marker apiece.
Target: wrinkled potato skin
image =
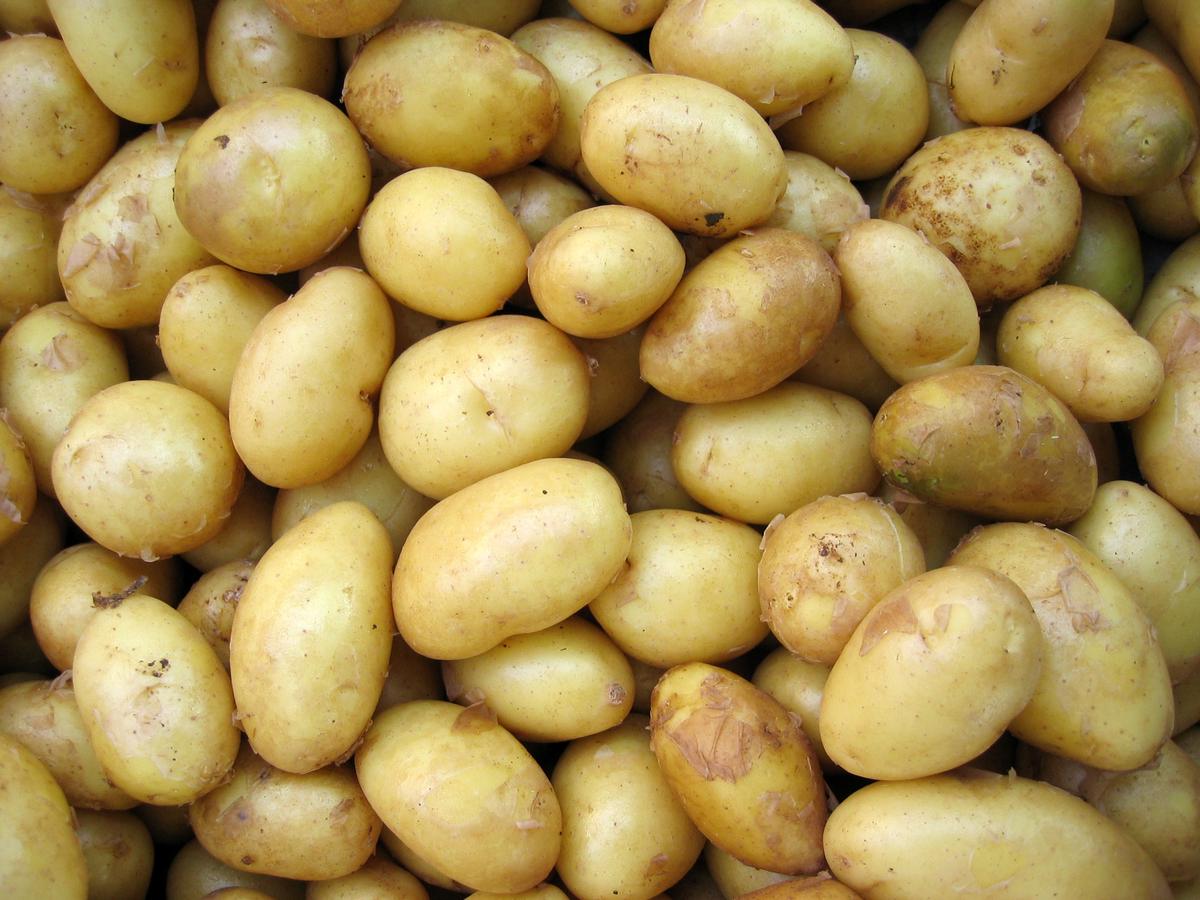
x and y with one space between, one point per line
119 854
986 440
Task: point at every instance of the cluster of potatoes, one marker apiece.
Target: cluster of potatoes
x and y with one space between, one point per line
599 449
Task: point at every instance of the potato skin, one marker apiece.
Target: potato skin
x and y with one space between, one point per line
18 493
119 853
321 18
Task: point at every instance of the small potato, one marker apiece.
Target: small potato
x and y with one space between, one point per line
1077 345
194 874
734 878
826 565
311 638
798 686
615 384
744 319
738 458
562 683
540 199
999 202
1014 837
641 144
210 604
443 243
741 766
29 229
273 181
246 534
1108 254
872 122
820 202
139 439
299 403
932 676
932 51
21 559
638 451
844 365
623 829
438 93
532 545
690 576
119 854
463 793
337 19
18 487
604 270
376 878
57 133
454 407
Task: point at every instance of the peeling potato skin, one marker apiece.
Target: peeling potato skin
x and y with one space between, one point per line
741 766
989 441
1104 698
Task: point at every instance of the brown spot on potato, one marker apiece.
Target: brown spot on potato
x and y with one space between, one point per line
223 140
894 616
474 719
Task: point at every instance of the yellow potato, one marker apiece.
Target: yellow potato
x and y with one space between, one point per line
29 229
844 365
419 866
798 685
21 559
410 677
932 51
638 451
937 528
615 384
541 892
734 878
341 17
500 16
118 851
246 534
18 487
1108 254
376 878
820 202
818 887
27 17
1165 213
532 545
210 604
311 638
619 16
1175 280
463 793
539 199
194 874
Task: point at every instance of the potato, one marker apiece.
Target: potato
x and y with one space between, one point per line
741 766
638 451
932 52
501 16
798 685
455 407
1186 698
826 565
410 676
1155 552
40 854
155 700
118 851
139 439
311 638
443 243
57 133
168 825
715 464
29 229
1014 837
734 878
273 181
620 17
623 829
1103 698
246 534
463 793
938 529
299 404
1108 253
532 545
1165 212
194 874
690 576
437 93
818 887
820 202
615 384
844 365
986 440
337 19
743 320
376 877
997 201
932 676
776 55
21 559
1012 58
867 126
1177 279
641 144
27 17
543 891
540 199
210 604
18 487
419 866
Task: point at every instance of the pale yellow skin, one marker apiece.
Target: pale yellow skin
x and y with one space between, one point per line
820 202
418 865
564 682
1013 838
311 638
623 829
44 717
443 242
1153 549
999 202
57 133
437 93
29 229
1186 696
618 16
1177 279
1108 253
194 874
932 675
40 854
932 51
678 557
18 487
144 439
798 685
156 702
908 304
1013 57
641 144
205 322
734 878
377 877
463 793
531 546
299 405
210 604
741 766
638 451
844 365
1165 213
777 55
1104 697
604 270
715 464
541 892
455 407
816 887
122 244
540 199
61 604
826 565
21 559
410 677
273 181
246 534
870 124
615 384
118 851
937 528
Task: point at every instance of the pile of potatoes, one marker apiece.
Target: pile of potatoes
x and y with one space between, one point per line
605 449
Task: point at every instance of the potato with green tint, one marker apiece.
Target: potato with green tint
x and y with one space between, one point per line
336 19
29 229
932 52
1108 253
741 766
462 793
194 874
798 685
118 851
986 440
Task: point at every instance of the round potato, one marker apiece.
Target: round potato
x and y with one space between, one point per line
211 602
820 202
194 874
29 230
615 384
246 534
118 851
638 451
1108 254
798 685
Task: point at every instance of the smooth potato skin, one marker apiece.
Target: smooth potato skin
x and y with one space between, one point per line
1108 254
119 853
820 202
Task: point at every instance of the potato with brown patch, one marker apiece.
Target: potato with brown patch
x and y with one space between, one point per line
741 766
